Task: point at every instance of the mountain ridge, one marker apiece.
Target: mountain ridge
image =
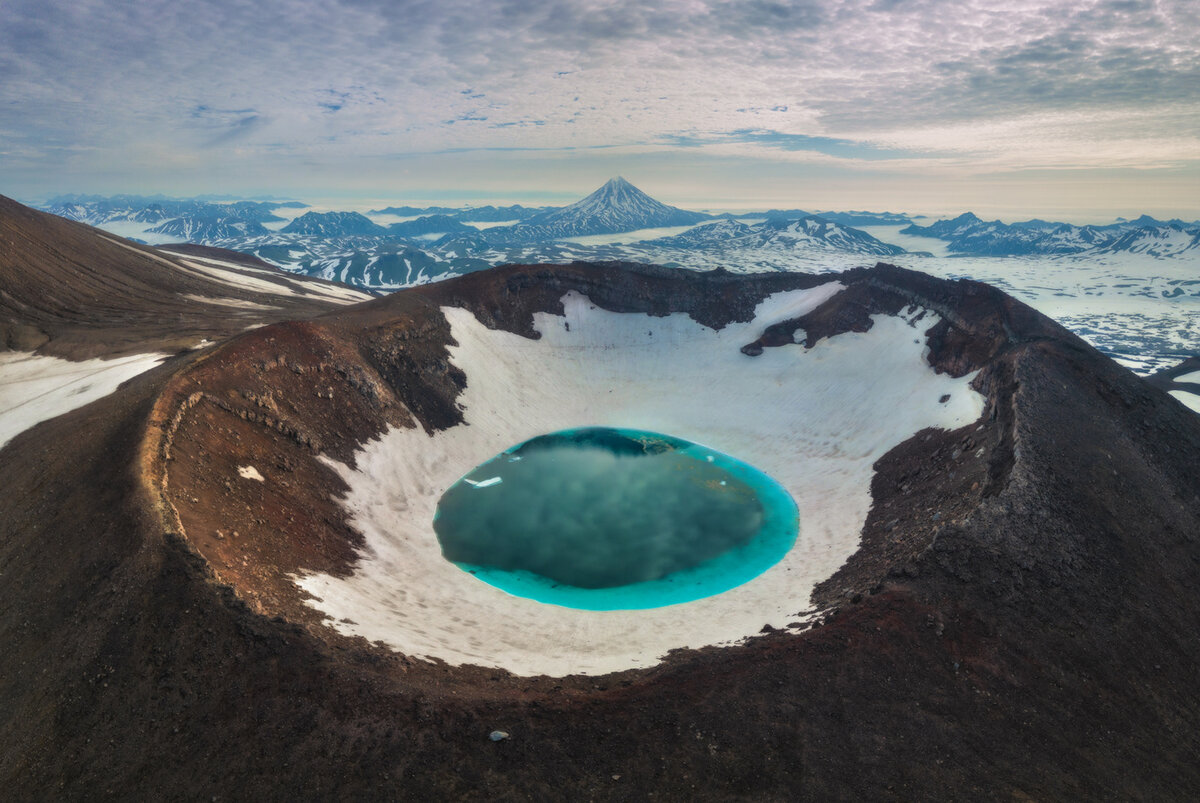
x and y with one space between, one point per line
812 231
333 224
969 235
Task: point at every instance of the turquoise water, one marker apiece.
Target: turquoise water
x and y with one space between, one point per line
614 519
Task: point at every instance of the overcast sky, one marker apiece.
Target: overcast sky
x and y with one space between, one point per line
1078 108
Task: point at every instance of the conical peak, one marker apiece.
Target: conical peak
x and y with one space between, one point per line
618 193
617 206
618 186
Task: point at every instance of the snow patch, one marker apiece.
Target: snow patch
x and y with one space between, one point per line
1189 400
35 389
236 277
239 276
240 303
224 263
250 473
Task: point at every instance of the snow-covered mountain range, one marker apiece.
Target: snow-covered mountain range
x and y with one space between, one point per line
469 214
806 232
95 210
968 234
1131 287
446 238
436 242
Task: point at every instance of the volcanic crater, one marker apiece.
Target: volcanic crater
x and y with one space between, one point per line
992 594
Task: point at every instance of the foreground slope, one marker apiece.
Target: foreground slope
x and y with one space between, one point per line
1017 619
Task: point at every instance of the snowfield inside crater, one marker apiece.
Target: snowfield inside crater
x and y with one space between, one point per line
815 420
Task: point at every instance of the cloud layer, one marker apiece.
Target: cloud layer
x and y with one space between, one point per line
94 88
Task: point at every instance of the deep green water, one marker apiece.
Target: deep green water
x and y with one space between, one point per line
607 519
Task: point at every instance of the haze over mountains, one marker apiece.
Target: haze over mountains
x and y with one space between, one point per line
968 235
1129 286
437 242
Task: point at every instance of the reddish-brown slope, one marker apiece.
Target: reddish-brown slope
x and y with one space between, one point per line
1037 642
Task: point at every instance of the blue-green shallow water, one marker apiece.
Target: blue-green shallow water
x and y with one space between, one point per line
615 519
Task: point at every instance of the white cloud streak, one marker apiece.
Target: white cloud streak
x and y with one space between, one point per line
107 86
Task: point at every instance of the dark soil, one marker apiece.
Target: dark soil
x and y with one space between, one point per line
1019 624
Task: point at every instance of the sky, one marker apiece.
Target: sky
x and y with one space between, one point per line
1075 109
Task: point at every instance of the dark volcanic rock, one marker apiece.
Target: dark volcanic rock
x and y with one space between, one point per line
1019 627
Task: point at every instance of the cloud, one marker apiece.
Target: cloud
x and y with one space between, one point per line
345 81
778 140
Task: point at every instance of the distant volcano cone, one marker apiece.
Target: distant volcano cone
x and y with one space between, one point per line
616 207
